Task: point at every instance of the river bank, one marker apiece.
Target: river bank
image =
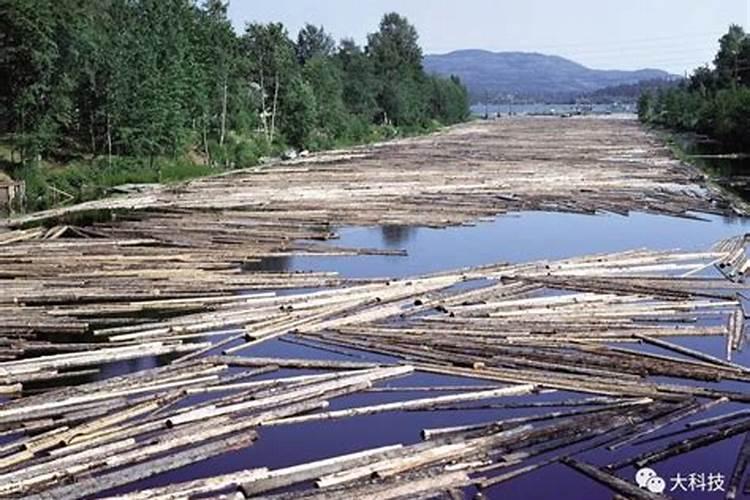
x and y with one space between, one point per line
50 184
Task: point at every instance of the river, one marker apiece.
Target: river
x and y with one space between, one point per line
514 238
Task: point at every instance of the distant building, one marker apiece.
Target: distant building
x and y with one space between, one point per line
12 194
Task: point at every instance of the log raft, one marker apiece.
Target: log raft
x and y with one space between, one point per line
197 275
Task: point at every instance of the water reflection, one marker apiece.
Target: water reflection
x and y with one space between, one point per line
732 171
270 264
521 237
395 236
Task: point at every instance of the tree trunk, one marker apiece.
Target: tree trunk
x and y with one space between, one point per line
263 111
109 140
224 113
275 106
205 142
22 151
92 135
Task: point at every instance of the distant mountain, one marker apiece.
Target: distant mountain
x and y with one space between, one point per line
524 74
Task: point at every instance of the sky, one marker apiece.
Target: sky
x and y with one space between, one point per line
675 35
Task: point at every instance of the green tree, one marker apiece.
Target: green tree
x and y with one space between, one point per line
299 113
394 48
159 78
731 120
149 79
272 69
397 63
449 99
712 101
36 58
703 80
360 84
743 71
646 106
217 54
313 41
728 60
325 78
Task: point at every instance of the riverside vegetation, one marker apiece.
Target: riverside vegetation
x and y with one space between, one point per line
98 94
712 101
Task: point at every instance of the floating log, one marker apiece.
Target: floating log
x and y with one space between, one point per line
669 419
201 487
415 404
740 466
540 325
689 352
625 488
684 446
152 467
281 478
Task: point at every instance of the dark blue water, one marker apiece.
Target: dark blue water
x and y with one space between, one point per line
516 238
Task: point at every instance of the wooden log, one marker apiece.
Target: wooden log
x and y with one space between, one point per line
40 475
389 467
281 478
669 419
352 384
740 466
625 488
294 363
411 487
684 446
149 468
718 419
422 455
419 488
737 334
200 487
690 352
433 433
415 404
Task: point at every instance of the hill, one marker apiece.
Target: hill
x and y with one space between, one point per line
530 74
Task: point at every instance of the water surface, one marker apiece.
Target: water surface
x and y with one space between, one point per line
513 238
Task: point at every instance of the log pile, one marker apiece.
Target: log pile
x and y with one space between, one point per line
59 291
453 177
171 274
574 325
106 434
481 455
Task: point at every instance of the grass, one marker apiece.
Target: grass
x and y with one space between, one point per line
48 186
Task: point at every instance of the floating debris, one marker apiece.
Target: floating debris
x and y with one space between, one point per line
453 177
528 329
170 272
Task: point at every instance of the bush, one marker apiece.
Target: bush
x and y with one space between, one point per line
731 118
182 170
245 154
239 151
48 186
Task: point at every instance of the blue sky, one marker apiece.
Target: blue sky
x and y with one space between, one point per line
676 35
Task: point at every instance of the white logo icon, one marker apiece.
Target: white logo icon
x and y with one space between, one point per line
650 480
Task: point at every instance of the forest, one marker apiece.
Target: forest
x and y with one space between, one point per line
99 93
713 101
